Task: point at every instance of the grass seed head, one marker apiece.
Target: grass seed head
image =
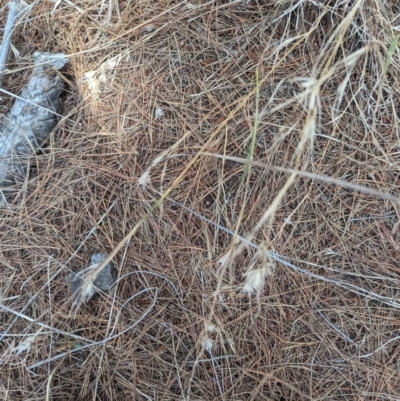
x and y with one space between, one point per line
255 279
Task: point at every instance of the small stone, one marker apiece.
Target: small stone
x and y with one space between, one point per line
107 277
104 280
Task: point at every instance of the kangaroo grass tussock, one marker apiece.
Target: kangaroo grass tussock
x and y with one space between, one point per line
238 163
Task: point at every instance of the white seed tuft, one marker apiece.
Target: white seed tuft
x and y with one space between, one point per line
144 179
24 345
207 343
158 113
149 28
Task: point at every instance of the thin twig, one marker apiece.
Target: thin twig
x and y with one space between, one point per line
5 45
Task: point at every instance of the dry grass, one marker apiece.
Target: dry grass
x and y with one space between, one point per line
173 95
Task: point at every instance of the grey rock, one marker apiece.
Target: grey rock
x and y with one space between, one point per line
104 280
32 118
107 277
